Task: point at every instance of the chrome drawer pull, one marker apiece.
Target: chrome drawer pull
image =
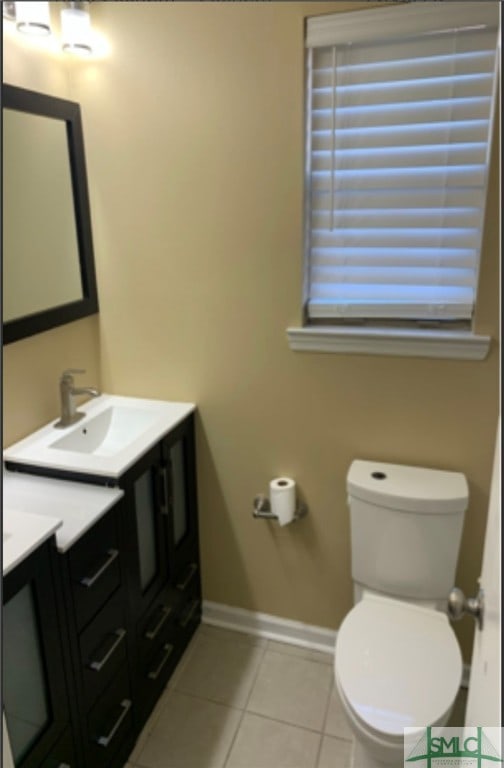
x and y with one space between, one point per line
104 741
151 634
64 765
190 613
97 665
88 581
156 672
193 568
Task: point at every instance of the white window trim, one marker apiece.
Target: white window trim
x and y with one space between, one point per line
455 345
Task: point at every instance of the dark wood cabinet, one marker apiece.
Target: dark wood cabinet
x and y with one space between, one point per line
131 592
178 459
93 576
161 530
35 688
145 534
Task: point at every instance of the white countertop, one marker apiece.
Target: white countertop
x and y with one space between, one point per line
71 508
38 448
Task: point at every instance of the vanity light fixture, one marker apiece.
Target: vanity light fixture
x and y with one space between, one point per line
32 18
76 29
9 11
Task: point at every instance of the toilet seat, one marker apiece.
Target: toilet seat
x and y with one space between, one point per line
397 665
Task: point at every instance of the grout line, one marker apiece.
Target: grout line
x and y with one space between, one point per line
259 665
324 721
319 750
293 725
170 689
160 705
199 697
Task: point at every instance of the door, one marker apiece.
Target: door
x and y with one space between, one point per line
181 516
33 686
484 699
145 532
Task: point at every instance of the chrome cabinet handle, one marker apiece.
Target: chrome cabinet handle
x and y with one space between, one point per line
190 613
156 672
190 573
104 741
165 612
88 581
97 665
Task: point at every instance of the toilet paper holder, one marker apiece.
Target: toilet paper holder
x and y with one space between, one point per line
262 508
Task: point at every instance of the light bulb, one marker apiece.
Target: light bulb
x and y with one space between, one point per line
33 18
76 31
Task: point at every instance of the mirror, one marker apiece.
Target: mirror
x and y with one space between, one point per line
48 263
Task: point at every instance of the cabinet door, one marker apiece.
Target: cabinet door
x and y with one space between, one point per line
146 534
34 691
182 513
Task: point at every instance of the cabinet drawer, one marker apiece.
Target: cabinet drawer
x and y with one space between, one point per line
109 722
95 569
187 577
102 647
153 672
188 614
62 755
157 623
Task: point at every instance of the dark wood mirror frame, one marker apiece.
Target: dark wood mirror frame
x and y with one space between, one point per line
60 109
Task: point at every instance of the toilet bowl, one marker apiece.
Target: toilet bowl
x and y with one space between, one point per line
396 665
397 661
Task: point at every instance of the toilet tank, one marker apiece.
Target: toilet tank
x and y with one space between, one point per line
405 526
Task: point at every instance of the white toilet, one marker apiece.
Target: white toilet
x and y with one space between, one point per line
397 661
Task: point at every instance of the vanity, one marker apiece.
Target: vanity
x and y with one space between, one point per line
101 567
118 492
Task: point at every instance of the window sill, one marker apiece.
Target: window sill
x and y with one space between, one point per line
455 345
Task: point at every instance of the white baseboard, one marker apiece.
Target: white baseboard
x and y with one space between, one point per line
270 627
276 628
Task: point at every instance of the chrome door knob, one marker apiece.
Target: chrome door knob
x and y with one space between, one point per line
459 605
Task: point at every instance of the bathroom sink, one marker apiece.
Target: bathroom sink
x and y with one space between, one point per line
113 434
108 433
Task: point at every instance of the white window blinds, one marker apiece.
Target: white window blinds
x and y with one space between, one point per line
400 105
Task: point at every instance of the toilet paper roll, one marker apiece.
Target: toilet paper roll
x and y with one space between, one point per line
283 499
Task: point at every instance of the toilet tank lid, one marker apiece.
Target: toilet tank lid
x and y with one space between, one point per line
411 489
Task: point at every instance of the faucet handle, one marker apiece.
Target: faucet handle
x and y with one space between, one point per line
68 373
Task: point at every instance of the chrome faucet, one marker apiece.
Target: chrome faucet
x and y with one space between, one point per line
69 414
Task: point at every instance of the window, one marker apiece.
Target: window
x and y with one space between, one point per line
400 104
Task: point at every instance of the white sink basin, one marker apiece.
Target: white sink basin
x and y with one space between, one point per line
114 433
108 433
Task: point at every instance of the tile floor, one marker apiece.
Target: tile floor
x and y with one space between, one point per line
237 701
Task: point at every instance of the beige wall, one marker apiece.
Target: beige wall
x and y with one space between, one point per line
194 140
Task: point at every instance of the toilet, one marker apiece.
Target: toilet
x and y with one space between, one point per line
397 661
